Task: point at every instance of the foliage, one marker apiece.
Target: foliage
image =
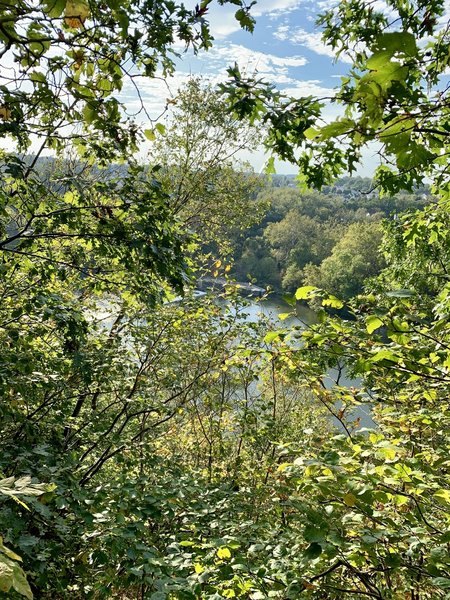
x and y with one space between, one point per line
298 240
394 94
385 490
354 259
11 573
419 250
371 509
77 65
191 448
211 192
89 244
301 229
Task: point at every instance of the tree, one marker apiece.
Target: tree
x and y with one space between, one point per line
298 240
418 245
95 384
69 71
211 192
256 263
355 258
77 57
372 507
83 233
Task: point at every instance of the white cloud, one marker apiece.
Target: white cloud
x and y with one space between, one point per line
153 95
277 8
211 65
266 64
311 87
312 40
326 5
223 22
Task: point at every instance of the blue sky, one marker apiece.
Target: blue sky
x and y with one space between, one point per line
285 49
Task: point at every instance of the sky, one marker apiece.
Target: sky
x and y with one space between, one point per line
285 49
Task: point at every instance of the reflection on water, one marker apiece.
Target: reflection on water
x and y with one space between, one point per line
273 307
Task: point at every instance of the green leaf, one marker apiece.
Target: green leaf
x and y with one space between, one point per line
246 21
54 8
305 292
272 336
400 293
270 166
373 323
11 573
402 42
150 134
385 355
441 582
377 60
20 583
336 128
443 495
313 551
311 133
312 533
289 299
38 77
349 499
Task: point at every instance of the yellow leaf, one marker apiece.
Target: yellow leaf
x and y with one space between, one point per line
305 292
349 499
443 494
76 13
388 453
283 466
223 552
5 113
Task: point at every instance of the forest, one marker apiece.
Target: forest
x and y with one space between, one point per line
329 239
160 445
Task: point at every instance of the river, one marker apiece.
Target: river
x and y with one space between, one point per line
271 308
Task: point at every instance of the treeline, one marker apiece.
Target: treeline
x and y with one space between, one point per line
330 239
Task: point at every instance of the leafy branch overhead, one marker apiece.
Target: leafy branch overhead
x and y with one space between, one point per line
22 486
394 99
11 572
72 59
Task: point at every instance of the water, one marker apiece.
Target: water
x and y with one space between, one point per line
304 317
272 307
